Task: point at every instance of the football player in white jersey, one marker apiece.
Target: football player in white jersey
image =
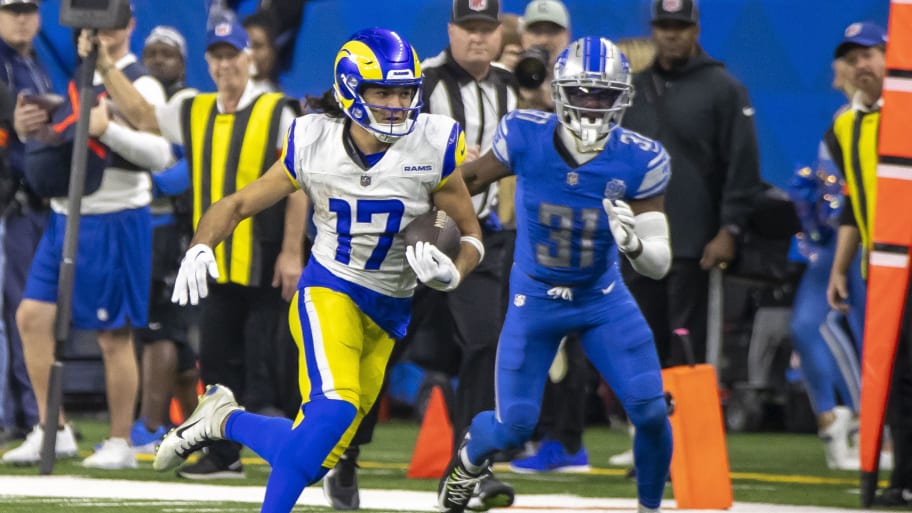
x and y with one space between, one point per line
369 169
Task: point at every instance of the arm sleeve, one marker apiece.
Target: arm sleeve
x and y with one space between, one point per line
148 151
150 89
739 156
654 259
172 181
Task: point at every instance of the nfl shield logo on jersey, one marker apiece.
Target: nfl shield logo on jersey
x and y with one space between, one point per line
572 178
615 189
519 300
365 180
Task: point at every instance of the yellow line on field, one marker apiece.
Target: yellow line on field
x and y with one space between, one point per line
736 476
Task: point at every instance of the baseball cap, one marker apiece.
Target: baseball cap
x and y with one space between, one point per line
468 10
228 32
863 33
675 10
169 36
20 5
553 11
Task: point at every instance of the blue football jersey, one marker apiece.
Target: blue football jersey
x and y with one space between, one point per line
563 236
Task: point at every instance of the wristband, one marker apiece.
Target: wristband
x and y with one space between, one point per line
474 241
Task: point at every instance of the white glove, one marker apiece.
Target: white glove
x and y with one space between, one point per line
433 268
191 278
621 221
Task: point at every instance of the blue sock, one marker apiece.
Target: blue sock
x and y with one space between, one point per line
652 455
489 436
299 455
262 434
484 440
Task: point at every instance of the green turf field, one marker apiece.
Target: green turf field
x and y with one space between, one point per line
769 468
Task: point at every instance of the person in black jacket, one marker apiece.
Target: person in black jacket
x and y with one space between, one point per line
702 115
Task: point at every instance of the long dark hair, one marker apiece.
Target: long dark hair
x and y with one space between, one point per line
325 104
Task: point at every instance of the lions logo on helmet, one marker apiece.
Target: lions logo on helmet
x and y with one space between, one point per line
591 90
377 57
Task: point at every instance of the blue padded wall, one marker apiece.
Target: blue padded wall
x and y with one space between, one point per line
780 49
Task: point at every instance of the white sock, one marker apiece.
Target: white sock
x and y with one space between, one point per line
644 509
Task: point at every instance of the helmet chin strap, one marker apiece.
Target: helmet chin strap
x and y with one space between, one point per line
385 138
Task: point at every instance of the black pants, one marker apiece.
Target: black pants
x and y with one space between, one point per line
477 317
239 329
456 333
679 300
899 412
563 413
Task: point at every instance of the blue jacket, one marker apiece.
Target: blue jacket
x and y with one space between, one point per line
21 74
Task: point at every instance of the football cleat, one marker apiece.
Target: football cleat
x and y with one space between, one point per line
491 492
552 457
458 483
340 485
202 427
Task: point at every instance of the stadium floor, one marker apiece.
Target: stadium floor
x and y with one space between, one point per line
182 495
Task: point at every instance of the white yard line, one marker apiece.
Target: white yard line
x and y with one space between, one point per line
398 500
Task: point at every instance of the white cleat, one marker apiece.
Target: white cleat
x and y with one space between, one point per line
839 455
29 452
204 425
623 459
114 454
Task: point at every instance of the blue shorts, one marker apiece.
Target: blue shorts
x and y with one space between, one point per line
113 269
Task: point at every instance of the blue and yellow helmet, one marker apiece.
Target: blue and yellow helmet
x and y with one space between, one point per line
377 57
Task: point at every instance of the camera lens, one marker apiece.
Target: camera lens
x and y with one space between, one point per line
532 67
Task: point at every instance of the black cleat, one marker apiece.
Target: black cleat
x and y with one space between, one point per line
893 498
209 467
340 485
458 484
491 492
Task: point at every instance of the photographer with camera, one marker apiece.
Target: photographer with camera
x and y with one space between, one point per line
545 32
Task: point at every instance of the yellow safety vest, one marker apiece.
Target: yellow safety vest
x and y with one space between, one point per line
225 153
856 133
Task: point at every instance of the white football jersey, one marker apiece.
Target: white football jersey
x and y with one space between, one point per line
359 212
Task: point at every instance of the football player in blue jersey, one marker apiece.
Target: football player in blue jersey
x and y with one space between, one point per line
586 191
370 165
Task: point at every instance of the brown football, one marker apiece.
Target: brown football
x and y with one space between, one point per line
436 227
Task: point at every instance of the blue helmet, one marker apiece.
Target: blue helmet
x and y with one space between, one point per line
591 88
377 57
